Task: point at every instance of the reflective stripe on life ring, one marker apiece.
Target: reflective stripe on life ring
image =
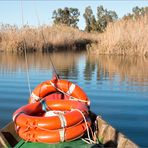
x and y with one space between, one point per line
71 89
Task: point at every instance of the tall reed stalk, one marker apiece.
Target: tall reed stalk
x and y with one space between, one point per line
124 37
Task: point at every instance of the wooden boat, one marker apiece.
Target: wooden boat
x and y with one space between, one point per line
102 134
106 135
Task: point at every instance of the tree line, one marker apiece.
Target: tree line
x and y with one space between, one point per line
136 13
94 23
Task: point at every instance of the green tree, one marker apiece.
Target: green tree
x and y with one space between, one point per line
67 16
93 24
88 16
104 17
136 13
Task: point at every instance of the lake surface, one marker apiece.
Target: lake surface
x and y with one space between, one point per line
116 86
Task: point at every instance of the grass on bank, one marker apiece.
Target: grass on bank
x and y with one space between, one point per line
42 38
124 37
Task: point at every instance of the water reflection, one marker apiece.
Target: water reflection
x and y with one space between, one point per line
92 72
14 62
131 69
90 67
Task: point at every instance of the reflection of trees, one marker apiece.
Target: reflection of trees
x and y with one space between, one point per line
92 63
89 69
101 74
131 69
69 72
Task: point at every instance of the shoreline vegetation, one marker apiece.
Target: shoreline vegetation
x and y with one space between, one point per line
123 37
43 39
126 36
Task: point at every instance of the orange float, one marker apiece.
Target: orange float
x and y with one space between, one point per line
66 125
54 136
73 91
27 116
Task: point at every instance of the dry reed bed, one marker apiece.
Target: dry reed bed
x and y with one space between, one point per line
42 38
124 37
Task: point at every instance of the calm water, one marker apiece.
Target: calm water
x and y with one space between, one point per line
116 86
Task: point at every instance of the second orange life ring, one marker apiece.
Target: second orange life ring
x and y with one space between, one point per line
73 91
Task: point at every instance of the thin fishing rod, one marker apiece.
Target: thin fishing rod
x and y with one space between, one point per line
25 51
45 43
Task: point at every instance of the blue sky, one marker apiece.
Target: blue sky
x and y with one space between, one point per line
10 11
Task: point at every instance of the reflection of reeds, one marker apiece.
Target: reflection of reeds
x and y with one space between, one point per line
13 62
42 38
132 69
124 37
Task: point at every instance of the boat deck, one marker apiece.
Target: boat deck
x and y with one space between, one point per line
72 144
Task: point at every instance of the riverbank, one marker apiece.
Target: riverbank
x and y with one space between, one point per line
123 37
43 39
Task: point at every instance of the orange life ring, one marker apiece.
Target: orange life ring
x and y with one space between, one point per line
58 85
57 96
64 127
54 136
26 115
